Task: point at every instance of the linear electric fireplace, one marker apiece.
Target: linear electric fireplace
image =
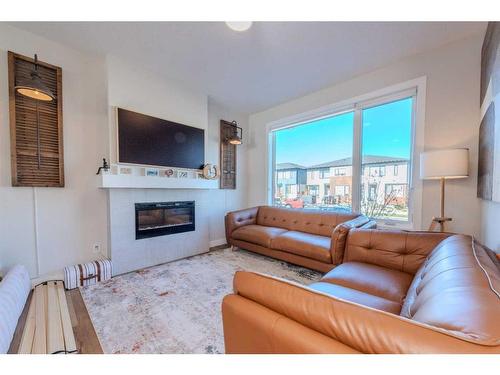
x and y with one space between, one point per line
161 218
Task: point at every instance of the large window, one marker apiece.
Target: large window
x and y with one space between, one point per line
358 160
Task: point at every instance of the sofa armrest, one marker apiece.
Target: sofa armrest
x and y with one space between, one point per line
395 249
361 328
339 236
236 219
250 328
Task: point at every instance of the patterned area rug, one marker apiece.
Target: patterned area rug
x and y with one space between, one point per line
175 307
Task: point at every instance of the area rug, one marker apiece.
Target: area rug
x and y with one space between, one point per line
175 307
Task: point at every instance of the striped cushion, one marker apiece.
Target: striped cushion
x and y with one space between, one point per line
83 274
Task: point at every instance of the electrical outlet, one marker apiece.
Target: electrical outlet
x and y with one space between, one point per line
96 248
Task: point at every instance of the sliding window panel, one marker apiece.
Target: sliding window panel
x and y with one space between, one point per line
386 149
312 164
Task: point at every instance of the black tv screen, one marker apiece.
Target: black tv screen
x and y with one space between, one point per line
149 140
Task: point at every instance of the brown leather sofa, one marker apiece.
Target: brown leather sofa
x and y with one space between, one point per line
395 292
306 238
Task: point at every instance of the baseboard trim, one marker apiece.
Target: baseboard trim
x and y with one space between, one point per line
218 242
57 275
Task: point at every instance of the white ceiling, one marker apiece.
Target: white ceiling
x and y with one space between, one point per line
269 64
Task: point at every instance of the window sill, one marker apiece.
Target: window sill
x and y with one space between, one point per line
383 224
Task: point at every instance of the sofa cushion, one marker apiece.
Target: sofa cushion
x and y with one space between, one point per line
458 289
257 234
317 222
368 278
399 250
304 244
321 223
357 296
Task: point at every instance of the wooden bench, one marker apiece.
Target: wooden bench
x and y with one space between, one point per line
48 328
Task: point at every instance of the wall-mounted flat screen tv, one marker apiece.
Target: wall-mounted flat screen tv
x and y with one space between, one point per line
149 140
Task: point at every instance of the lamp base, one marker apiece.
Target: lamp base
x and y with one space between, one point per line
439 221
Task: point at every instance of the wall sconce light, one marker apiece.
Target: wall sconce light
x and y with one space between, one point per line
35 88
236 134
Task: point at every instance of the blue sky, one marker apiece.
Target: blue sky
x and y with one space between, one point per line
386 131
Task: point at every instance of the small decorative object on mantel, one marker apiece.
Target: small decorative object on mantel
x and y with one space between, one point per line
182 174
152 172
125 170
36 130
167 173
87 274
104 167
231 135
210 172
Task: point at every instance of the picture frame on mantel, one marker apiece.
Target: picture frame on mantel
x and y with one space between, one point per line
228 156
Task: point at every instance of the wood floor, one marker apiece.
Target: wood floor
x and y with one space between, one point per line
85 336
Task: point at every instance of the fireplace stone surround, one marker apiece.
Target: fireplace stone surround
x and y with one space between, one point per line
129 254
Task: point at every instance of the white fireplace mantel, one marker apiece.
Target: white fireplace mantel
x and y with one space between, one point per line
117 181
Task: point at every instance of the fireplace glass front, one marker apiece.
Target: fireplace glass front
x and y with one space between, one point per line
162 218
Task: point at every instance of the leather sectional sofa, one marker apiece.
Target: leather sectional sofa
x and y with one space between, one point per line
306 238
395 292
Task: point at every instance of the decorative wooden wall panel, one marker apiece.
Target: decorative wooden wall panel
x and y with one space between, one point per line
36 153
227 157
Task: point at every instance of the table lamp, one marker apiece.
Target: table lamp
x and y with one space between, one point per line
444 165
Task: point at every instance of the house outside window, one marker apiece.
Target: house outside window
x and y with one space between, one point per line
340 171
324 173
372 192
313 189
396 194
342 190
290 182
326 190
377 171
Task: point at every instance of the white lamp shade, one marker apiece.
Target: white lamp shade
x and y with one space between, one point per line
450 163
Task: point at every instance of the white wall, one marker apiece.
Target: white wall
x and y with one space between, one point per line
138 90
452 118
69 220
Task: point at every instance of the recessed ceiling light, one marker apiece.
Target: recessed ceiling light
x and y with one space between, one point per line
239 25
